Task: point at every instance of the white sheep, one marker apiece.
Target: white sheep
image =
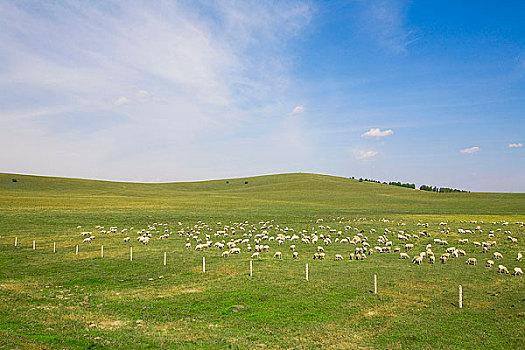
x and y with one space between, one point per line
417 260
235 250
519 257
255 255
225 254
292 247
338 257
295 255
126 239
471 261
490 263
404 256
517 271
432 259
188 245
502 269
497 255
277 255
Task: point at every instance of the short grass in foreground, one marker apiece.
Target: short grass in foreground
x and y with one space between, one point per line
60 300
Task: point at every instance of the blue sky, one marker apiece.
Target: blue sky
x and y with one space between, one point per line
429 92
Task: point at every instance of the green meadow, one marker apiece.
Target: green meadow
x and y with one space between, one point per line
64 300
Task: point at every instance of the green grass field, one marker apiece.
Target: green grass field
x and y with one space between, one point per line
66 301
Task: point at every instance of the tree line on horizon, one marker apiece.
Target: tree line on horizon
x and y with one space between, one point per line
413 186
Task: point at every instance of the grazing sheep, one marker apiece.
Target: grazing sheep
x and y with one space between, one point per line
490 263
519 257
144 240
338 257
188 245
417 260
225 254
432 259
320 249
352 256
497 255
403 256
277 255
126 239
517 271
255 255
471 261
235 250
292 247
321 256
86 240
462 252
409 246
502 269
443 258
397 250
295 255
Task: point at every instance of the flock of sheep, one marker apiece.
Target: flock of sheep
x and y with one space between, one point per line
265 236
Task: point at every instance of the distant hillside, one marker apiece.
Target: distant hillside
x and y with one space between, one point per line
270 194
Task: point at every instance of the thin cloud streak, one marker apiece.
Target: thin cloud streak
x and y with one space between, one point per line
376 132
470 150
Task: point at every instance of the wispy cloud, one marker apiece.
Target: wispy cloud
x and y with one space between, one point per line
298 110
470 150
183 70
365 154
376 132
385 22
515 145
121 101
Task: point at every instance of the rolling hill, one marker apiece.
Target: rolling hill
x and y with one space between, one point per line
269 194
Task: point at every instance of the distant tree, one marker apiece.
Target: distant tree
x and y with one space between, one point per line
14 180
227 182
360 180
245 182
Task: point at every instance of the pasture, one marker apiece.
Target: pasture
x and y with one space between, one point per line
67 300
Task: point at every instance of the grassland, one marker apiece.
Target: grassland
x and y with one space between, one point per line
63 300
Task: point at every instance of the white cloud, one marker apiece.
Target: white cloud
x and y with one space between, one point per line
298 110
143 96
376 132
365 154
470 150
515 145
121 101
